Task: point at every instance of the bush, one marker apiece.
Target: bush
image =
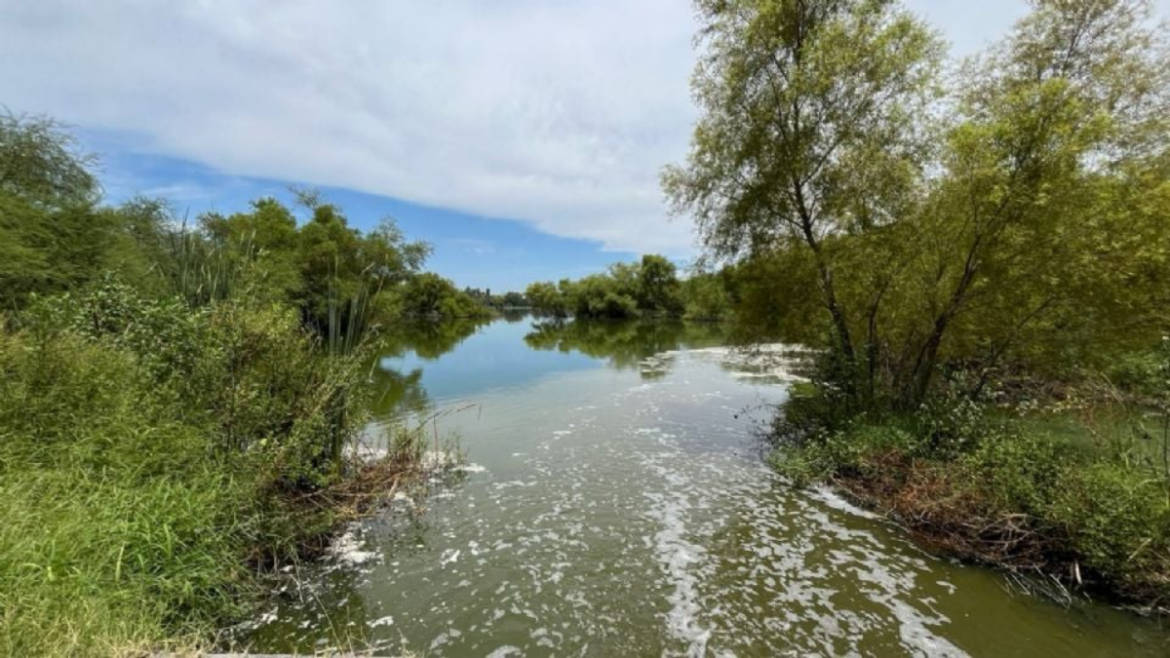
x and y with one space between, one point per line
985 490
1118 520
146 454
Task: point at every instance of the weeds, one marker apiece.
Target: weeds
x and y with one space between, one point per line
155 457
994 490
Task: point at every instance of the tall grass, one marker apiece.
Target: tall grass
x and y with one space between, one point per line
150 457
202 271
121 529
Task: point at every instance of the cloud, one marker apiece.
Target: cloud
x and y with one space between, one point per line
559 114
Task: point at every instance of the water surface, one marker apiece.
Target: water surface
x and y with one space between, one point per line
615 504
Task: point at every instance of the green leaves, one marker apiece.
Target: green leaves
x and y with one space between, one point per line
1016 212
627 290
40 163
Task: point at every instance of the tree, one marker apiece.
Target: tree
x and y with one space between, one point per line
1069 111
547 299
658 286
51 235
429 295
808 129
514 300
267 236
41 163
1033 219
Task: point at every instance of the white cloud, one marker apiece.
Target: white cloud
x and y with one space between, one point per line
558 113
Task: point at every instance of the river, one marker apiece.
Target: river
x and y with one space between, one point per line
615 503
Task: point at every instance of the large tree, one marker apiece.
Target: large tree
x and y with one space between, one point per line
1051 169
809 129
1023 209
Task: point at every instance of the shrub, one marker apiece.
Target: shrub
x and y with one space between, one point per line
1118 520
120 526
146 454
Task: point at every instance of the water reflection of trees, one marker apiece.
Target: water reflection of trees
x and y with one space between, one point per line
513 316
626 345
397 393
429 340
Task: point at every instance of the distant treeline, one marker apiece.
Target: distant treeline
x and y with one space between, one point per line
626 290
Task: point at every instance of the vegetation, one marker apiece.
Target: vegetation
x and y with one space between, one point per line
952 244
626 290
509 301
176 405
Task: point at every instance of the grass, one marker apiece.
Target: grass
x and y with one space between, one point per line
120 529
156 459
1084 506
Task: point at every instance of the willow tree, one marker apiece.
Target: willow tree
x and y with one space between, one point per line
51 237
811 128
1053 184
1037 210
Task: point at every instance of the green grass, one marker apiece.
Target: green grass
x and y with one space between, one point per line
119 531
1109 431
150 457
1086 503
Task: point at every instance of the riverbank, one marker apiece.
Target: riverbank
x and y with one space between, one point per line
1064 512
156 461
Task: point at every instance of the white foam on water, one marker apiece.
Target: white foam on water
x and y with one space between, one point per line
438 460
835 501
381 621
348 549
450 556
677 555
777 361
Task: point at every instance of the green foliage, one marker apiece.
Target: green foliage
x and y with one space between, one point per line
604 296
994 490
513 301
45 250
1119 523
41 164
547 299
146 450
430 296
705 297
1024 233
169 393
650 287
121 528
1025 229
659 290
340 279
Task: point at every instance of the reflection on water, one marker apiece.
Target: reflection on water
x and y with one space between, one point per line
625 345
617 507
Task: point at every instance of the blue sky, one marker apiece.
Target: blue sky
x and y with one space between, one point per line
523 138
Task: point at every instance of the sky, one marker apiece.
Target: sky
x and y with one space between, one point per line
522 138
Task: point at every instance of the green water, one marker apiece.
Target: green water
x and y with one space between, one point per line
615 504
